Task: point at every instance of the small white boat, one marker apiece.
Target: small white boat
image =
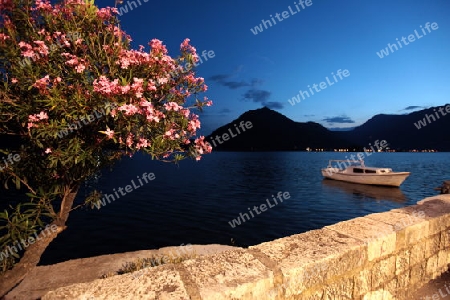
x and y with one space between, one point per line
356 172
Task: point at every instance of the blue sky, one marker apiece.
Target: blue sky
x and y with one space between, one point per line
250 71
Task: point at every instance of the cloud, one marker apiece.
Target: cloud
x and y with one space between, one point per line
338 119
235 84
219 77
262 96
309 115
273 105
412 107
223 79
257 95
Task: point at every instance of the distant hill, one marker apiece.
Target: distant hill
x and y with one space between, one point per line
272 131
418 130
340 128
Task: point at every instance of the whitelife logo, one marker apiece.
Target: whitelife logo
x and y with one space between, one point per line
226 136
411 38
263 207
323 85
128 189
431 118
31 240
284 15
11 157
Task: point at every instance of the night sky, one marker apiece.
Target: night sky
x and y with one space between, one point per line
307 42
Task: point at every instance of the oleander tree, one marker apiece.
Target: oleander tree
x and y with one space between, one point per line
61 64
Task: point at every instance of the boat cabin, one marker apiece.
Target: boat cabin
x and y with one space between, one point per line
371 170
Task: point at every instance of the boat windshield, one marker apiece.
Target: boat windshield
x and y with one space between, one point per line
342 164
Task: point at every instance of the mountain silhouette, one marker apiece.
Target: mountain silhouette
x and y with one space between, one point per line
272 131
419 130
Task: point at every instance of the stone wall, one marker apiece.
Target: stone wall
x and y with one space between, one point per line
380 256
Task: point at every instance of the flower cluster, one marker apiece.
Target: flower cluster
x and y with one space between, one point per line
202 147
150 91
32 119
74 61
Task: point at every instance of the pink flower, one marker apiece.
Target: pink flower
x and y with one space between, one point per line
42 83
3 37
137 86
162 80
171 134
172 106
194 123
185 44
41 48
80 68
42 115
109 133
44 5
143 143
33 118
104 13
157 46
154 115
185 112
129 109
48 150
145 103
129 141
103 86
201 146
125 89
207 102
151 86
14 80
26 49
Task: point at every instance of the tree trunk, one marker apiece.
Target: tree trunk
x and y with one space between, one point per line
32 255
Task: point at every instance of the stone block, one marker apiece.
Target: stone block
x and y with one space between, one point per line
159 283
432 245
443 259
445 239
363 282
313 257
340 289
379 237
402 262
234 274
382 272
432 266
417 254
417 274
403 281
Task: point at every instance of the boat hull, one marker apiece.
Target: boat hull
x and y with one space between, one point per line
388 179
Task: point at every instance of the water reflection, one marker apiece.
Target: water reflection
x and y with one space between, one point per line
367 191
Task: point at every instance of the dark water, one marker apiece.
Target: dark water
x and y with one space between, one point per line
193 202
